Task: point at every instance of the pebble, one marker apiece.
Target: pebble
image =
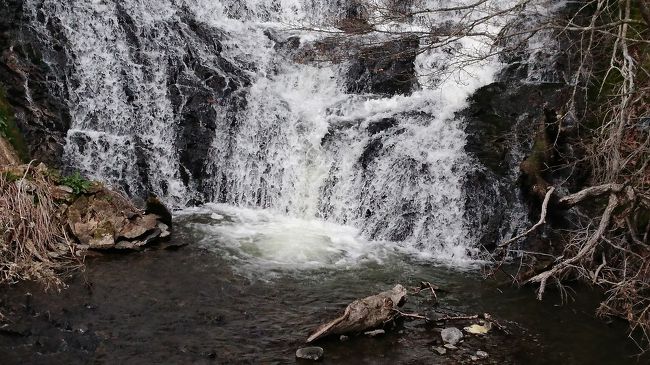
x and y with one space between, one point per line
450 346
451 335
481 354
310 353
344 338
375 333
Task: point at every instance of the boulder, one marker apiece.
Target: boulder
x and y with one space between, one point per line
155 206
105 219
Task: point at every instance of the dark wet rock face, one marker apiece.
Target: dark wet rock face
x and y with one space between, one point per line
40 113
388 68
502 124
203 97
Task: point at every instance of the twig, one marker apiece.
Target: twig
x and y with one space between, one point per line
542 220
411 315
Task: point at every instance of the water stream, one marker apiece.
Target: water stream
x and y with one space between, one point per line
250 304
201 101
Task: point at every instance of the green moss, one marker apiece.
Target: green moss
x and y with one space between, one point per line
8 128
10 176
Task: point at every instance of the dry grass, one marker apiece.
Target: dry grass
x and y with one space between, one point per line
34 245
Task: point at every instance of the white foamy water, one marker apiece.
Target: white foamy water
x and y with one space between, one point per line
263 241
191 100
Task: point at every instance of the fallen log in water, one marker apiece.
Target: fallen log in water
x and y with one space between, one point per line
364 314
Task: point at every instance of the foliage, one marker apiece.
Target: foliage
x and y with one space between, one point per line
77 183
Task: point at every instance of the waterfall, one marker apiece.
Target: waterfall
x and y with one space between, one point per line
202 101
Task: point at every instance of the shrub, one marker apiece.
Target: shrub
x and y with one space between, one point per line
77 183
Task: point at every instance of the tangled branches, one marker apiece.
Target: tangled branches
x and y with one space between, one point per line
34 244
609 245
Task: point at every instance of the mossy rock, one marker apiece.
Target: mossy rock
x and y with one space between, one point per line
9 130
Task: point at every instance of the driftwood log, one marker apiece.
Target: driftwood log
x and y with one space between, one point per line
364 314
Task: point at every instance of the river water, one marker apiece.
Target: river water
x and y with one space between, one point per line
248 293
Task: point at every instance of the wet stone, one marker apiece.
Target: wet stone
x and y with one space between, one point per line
310 353
344 338
451 335
481 354
450 346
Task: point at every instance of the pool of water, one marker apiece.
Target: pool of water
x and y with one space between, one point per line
249 287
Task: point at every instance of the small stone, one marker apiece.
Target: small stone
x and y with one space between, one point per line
440 350
103 242
375 333
164 234
451 335
450 347
481 354
310 353
474 358
126 245
344 338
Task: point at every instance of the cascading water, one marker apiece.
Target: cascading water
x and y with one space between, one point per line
202 101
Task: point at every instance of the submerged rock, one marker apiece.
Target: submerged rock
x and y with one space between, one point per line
375 333
310 353
481 354
440 350
451 335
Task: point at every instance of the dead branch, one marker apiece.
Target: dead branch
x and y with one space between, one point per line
542 220
590 192
586 249
364 314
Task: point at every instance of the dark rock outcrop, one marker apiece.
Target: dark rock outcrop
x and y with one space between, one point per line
387 68
203 97
37 101
503 122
